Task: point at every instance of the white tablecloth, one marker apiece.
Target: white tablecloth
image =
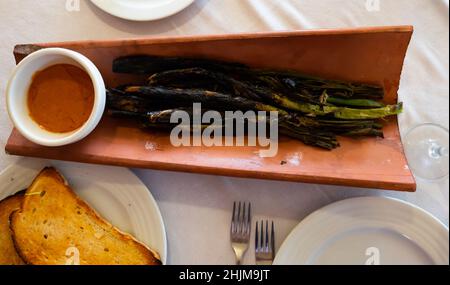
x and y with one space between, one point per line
196 208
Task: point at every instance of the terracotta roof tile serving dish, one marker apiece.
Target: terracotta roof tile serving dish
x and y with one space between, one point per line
363 55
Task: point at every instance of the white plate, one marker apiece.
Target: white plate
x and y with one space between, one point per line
142 10
368 230
115 193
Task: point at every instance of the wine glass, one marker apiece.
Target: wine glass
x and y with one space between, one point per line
427 150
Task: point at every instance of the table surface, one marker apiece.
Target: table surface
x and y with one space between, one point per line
197 208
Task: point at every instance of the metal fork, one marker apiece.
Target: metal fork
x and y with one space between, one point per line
264 246
240 229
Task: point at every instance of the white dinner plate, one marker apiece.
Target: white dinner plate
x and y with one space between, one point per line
367 230
142 10
115 193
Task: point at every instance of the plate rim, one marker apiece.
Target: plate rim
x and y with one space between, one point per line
39 163
116 10
342 203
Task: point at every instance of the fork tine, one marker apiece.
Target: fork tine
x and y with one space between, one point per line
239 211
244 219
266 245
238 226
272 241
234 209
256 238
233 218
261 242
249 218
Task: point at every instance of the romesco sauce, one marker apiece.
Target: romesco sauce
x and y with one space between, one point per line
61 98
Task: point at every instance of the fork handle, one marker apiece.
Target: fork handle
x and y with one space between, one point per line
239 259
264 263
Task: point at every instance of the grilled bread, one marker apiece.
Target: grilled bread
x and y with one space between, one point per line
8 254
55 227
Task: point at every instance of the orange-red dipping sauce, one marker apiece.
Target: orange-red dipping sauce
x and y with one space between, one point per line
61 98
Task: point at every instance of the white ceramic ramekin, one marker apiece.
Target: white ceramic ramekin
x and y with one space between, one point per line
17 92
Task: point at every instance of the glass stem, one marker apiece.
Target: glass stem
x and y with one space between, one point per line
436 151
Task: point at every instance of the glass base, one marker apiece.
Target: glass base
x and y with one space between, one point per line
427 150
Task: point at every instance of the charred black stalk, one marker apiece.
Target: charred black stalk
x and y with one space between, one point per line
316 86
308 136
369 132
185 78
147 64
345 128
119 100
153 120
201 96
127 103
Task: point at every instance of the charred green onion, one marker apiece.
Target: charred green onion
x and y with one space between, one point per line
311 109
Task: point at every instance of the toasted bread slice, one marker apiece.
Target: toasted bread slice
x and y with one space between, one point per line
55 227
8 254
